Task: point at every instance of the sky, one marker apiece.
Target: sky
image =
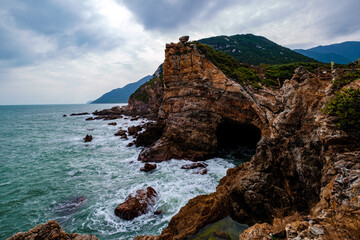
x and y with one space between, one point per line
66 51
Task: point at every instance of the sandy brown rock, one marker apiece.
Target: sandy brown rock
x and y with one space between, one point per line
137 204
50 231
303 162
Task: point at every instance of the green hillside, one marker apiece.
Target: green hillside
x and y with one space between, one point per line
252 49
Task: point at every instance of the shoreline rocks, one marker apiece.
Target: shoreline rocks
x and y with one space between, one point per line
148 167
50 231
88 138
137 204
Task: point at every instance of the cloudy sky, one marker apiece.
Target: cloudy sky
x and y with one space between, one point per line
66 51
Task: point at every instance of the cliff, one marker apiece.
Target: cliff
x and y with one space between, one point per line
303 180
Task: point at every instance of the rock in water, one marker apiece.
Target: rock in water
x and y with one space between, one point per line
137 204
148 167
50 231
194 165
88 138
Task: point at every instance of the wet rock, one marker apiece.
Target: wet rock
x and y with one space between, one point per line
134 130
50 231
88 138
79 114
158 212
124 136
112 124
130 144
134 118
201 171
64 115
194 165
148 167
90 119
151 134
99 117
137 204
106 112
120 133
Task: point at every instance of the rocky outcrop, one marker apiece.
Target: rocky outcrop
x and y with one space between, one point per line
148 167
50 231
305 169
146 100
137 204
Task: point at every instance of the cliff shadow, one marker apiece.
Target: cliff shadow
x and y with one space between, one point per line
237 141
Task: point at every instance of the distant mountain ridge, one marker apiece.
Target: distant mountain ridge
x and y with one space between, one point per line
341 53
121 95
252 49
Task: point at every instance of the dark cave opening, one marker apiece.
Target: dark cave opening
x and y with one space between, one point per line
236 140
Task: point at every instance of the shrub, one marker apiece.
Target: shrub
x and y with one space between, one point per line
346 106
345 80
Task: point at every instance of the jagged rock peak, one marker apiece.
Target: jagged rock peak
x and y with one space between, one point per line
184 39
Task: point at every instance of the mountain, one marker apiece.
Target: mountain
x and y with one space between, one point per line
252 49
121 95
341 53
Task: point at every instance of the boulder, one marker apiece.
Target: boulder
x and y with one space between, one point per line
148 167
137 204
120 132
64 115
90 119
201 171
112 124
194 165
184 39
134 130
50 231
88 138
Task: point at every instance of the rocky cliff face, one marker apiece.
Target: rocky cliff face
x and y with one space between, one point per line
304 179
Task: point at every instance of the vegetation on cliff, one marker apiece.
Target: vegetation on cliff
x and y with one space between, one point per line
230 66
345 80
346 107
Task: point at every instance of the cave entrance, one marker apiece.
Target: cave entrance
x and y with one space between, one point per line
237 141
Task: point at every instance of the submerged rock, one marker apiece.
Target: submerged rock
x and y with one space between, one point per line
70 206
137 204
50 231
201 171
112 124
89 119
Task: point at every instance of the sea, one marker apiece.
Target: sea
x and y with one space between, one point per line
47 172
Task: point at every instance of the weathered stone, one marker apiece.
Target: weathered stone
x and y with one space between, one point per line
148 167
120 133
201 171
112 124
89 119
184 39
194 165
303 162
88 138
50 231
137 204
134 130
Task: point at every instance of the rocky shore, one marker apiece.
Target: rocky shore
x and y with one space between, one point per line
303 181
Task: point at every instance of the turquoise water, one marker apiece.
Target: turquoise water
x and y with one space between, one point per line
48 172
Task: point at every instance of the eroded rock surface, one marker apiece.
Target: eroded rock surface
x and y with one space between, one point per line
137 204
50 231
303 165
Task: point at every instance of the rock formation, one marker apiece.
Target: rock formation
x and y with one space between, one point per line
137 204
88 138
303 180
50 231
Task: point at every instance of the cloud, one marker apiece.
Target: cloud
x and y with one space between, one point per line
32 31
167 15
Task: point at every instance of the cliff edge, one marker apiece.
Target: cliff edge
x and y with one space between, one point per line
303 180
